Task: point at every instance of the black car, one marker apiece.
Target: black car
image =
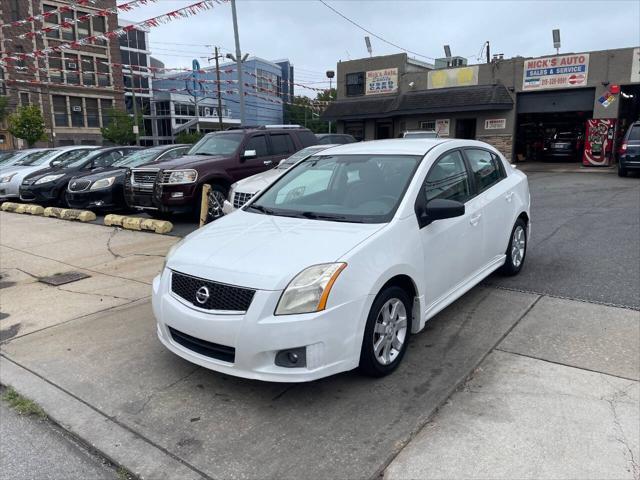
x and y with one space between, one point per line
629 153
49 186
104 189
563 146
335 138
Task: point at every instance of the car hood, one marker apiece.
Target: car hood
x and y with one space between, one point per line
186 161
22 172
257 182
264 251
102 173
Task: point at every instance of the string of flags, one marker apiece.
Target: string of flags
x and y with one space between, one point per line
43 16
68 23
184 12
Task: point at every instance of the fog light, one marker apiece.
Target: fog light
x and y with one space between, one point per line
177 194
292 358
99 203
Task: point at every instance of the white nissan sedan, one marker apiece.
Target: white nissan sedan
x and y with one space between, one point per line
307 281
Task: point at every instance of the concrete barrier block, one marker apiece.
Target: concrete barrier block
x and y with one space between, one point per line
34 209
70 214
157 226
114 220
20 208
132 223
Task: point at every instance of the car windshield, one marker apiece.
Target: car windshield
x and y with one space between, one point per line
300 154
217 144
564 136
420 135
6 156
634 134
78 157
341 188
139 158
37 158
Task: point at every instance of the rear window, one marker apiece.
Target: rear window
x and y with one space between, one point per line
634 133
307 138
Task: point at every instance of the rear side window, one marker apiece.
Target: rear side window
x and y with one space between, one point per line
634 133
282 144
174 153
307 138
107 159
448 179
259 144
484 167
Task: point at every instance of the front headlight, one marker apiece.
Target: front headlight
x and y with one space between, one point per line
48 178
7 178
103 183
309 290
183 176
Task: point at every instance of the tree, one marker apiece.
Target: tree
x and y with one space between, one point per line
306 112
188 137
27 124
120 128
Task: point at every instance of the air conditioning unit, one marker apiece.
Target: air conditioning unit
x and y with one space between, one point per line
72 66
76 108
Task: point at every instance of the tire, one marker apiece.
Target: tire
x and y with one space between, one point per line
381 335
62 198
217 196
622 172
516 252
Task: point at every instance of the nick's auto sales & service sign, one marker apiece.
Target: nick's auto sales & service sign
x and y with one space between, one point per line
382 81
563 71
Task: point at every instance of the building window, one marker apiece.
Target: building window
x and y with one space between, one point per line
77 115
88 71
267 80
68 28
93 115
24 98
105 110
51 21
104 77
428 125
60 111
55 69
71 69
163 108
142 44
355 84
83 25
15 11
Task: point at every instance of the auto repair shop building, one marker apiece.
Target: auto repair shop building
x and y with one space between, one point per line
514 104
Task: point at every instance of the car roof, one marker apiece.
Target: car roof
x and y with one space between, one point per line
402 146
76 147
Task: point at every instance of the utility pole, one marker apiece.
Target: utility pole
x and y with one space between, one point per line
488 52
136 129
219 89
238 61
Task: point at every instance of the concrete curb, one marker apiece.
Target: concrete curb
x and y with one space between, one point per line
22 208
102 433
137 223
70 214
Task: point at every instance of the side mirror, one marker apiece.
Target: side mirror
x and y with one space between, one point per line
55 163
248 154
438 209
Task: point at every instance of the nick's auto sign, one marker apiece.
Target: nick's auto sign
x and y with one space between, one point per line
563 71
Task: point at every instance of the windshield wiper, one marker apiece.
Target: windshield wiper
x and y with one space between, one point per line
261 209
321 216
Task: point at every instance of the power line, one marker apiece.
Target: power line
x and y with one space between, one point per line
374 34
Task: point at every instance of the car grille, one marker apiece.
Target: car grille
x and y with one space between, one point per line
144 180
240 198
221 296
208 349
79 185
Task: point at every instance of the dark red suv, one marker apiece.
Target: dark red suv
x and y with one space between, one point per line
218 159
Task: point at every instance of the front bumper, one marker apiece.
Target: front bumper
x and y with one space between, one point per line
165 198
93 199
9 190
332 338
37 193
630 162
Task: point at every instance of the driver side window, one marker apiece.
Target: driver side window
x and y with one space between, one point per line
259 144
448 179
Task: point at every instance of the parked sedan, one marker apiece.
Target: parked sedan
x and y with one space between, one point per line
303 283
104 189
49 186
563 146
11 177
242 191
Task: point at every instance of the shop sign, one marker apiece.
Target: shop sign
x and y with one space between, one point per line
563 71
635 66
452 77
382 81
495 124
442 127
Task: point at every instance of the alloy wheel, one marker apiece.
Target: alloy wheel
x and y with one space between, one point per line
518 244
215 201
390 331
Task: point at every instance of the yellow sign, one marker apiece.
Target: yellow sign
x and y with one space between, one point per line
453 77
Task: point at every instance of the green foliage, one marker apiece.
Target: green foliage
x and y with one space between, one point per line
188 137
27 124
120 128
302 112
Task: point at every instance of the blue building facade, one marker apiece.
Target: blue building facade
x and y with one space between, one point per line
265 93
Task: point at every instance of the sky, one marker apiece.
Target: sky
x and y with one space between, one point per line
315 38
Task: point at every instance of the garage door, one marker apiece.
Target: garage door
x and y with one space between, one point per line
557 101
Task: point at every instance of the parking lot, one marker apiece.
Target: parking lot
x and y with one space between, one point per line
556 346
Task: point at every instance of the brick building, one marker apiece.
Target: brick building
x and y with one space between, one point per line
516 104
74 89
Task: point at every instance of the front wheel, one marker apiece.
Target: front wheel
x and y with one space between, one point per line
215 200
517 249
386 334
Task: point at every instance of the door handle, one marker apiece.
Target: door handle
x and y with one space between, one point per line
508 196
475 219
267 162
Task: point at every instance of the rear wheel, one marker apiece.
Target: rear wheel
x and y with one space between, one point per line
517 249
386 334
